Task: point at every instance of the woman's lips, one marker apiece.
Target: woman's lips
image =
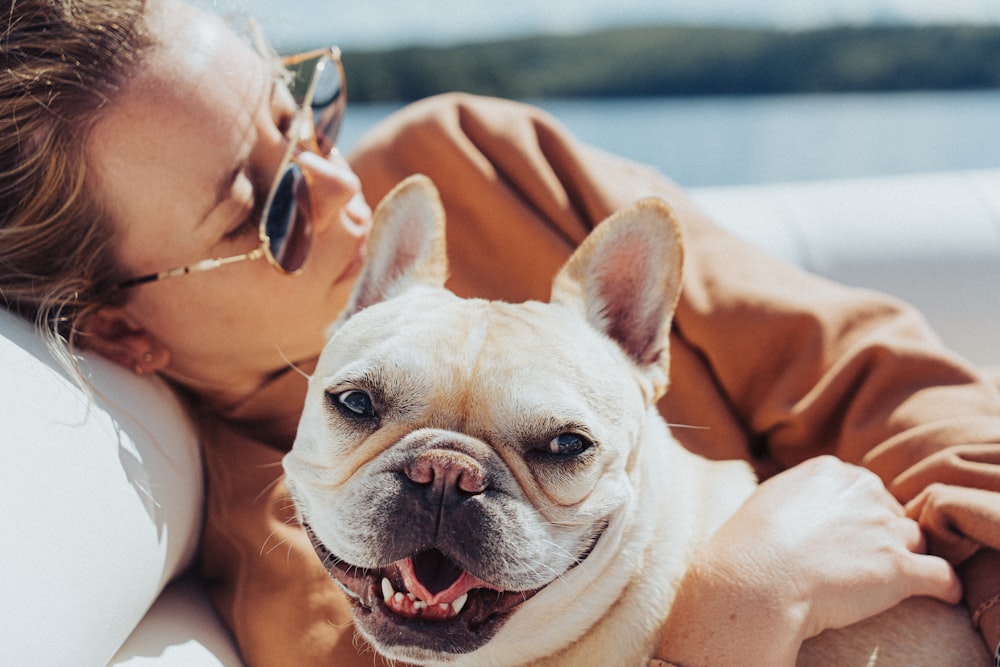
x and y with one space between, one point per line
357 216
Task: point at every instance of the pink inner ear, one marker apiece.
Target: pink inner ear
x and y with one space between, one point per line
633 305
406 246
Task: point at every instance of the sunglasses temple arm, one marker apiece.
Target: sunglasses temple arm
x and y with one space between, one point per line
203 265
209 264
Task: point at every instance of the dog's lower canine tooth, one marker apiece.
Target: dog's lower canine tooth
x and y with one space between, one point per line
459 603
387 590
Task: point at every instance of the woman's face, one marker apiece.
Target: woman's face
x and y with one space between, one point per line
183 159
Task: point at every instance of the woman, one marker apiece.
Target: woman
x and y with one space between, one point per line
141 138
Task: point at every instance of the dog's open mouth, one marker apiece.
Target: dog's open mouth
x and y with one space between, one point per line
425 600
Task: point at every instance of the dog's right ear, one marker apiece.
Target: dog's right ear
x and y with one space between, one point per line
406 247
625 280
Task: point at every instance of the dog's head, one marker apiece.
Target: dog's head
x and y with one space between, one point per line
457 457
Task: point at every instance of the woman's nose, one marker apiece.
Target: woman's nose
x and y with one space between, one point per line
334 195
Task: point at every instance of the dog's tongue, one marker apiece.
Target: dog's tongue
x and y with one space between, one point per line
439 580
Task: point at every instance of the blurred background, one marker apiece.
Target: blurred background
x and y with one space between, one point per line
712 92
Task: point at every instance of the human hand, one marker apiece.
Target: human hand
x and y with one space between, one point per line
831 545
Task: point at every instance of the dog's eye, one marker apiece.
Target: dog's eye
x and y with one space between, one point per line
569 444
355 401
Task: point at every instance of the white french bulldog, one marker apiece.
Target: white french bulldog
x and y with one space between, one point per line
492 483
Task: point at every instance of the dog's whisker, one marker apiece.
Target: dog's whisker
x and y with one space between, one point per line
291 364
364 648
291 521
289 505
341 626
267 547
689 426
573 591
268 488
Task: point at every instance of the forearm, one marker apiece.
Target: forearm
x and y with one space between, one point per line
822 545
717 622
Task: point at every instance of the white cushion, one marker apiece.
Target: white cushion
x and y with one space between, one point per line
100 510
930 239
180 630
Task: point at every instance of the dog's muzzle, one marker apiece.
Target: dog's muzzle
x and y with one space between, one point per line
449 553
427 599
424 601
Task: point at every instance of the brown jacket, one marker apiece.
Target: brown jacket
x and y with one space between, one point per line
779 365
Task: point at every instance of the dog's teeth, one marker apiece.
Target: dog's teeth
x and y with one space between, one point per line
419 604
459 603
387 590
398 598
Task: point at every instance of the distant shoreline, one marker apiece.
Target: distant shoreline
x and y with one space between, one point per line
687 61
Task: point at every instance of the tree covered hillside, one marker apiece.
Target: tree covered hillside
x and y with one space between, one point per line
686 61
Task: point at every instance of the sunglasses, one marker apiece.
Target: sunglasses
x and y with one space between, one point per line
316 81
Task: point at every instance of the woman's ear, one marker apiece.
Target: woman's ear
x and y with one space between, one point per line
116 335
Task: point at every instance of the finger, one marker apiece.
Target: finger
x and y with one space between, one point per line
933 577
913 536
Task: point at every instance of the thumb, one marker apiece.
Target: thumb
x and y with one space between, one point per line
932 576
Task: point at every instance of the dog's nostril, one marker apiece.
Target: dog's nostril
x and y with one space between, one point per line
447 470
472 481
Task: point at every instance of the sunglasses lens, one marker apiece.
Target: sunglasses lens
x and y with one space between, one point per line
289 232
319 84
322 79
327 103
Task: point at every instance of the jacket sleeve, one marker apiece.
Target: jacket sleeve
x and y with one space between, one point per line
803 365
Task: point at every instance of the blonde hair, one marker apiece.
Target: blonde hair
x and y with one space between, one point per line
61 63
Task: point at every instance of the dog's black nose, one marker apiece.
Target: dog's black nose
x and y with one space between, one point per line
447 472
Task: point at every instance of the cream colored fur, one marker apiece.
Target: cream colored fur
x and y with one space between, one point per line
478 380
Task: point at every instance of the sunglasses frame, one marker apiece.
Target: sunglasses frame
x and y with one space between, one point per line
302 135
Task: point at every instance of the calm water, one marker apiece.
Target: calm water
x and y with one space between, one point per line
728 141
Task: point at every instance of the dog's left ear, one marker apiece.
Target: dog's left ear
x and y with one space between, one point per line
625 280
406 246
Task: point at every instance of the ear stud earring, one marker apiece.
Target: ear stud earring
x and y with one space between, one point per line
139 367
